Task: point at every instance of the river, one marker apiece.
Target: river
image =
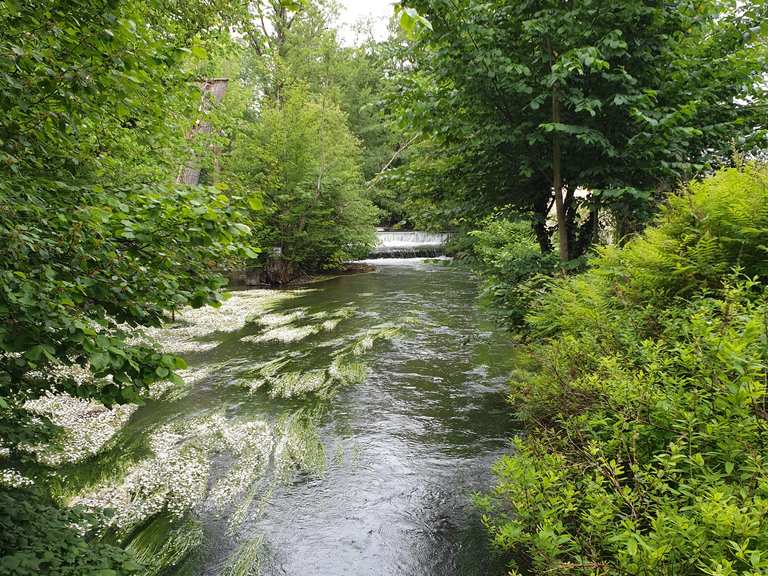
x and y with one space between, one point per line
340 429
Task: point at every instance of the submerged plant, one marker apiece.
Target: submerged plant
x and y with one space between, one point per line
347 371
196 329
379 333
284 334
250 445
165 543
246 560
291 384
300 447
173 479
86 425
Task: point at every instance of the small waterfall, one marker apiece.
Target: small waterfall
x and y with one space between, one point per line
409 244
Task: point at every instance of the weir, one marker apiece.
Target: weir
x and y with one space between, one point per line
410 244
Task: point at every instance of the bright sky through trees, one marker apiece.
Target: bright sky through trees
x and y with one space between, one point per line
354 10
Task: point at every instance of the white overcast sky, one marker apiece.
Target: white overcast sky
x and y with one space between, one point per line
354 10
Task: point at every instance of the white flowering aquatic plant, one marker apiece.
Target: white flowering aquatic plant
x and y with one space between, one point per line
11 478
208 464
87 426
194 329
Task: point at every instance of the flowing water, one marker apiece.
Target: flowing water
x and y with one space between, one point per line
341 430
409 244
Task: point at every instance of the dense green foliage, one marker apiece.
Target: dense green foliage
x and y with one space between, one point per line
94 237
305 161
293 140
40 538
527 102
532 122
644 401
513 269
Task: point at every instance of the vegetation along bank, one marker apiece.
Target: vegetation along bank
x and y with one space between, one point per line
581 391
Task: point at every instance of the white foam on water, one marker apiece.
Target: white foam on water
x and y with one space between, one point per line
402 261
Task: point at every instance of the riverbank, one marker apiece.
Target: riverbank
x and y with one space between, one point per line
239 279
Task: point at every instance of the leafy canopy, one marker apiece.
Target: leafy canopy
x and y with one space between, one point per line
623 99
95 239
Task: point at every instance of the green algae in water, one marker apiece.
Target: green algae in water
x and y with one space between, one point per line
173 478
347 372
195 328
370 337
85 427
246 560
330 325
292 384
275 319
110 466
246 508
300 447
164 543
265 374
283 328
321 382
145 483
255 445
284 333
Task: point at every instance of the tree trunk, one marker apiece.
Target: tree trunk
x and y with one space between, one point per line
541 208
557 181
586 234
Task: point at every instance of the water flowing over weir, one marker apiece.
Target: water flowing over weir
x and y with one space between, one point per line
334 430
409 244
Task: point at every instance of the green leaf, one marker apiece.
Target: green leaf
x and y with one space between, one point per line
255 203
99 361
632 546
162 372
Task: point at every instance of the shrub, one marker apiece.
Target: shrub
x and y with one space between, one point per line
38 537
645 405
513 268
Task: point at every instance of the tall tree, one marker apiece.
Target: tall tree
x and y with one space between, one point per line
612 97
95 237
301 155
295 144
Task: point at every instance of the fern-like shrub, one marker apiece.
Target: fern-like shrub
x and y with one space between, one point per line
644 407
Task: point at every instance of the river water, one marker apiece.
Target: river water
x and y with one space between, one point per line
341 430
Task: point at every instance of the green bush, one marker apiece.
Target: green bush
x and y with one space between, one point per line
38 537
645 404
513 269
303 157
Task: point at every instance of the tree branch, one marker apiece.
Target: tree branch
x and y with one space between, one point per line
397 153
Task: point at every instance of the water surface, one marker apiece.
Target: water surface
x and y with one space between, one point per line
343 433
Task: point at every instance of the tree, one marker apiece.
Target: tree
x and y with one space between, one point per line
293 142
610 97
95 237
304 159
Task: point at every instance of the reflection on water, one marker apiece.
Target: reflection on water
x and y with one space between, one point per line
338 430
